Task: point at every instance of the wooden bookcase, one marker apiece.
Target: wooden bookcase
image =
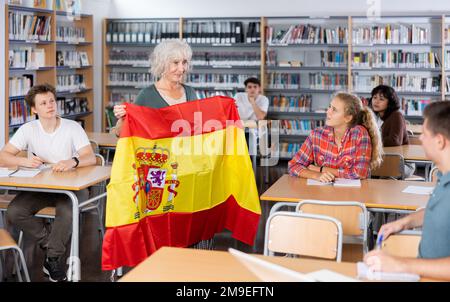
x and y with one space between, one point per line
50 72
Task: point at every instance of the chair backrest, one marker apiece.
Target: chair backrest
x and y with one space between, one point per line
393 166
414 140
353 215
94 146
100 160
433 174
304 235
403 244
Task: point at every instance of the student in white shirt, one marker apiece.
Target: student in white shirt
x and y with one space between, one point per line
64 145
251 104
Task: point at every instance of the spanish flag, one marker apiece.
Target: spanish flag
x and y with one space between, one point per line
180 174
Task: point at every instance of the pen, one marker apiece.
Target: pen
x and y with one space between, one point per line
379 241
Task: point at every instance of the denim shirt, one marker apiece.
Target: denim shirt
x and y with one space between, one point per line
435 242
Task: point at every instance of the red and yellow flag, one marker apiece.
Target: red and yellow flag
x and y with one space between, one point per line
180 175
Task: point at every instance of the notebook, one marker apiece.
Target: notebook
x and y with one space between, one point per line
338 182
270 272
365 273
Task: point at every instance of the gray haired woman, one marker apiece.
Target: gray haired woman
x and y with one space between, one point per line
169 63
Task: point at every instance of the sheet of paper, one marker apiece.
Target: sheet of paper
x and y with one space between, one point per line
325 275
26 173
313 182
365 273
343 182
5 172
418 190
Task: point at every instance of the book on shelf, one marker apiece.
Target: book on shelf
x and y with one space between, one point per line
26 57
117 98
326 81
226 59
281 103
70 34
20 113
128 57
141 32
72 82
400 82
71 105
19 86
414 107
136 79
288 150
218 80
276 80
29 27
299 127
333 58
395 59
306 34
70 58
40 3
15 2
390 34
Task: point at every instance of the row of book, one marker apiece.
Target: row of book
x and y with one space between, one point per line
70 34
447 60
282 103
19 86
299 127
226 59
400 82
71 106
29 27
70 82
71 58
395 59
414 107
288 150
391 34
129 57
333 58
306 34
327 59
141 32
328 81
220 32
277 80
117 98
26 57
135 79
217 80
20 113
447 34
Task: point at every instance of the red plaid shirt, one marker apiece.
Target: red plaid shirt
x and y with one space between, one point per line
352 161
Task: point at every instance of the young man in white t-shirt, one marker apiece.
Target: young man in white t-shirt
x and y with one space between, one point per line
251 104
64 145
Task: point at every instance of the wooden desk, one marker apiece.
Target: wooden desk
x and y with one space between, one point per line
180 265
409 152
374 193
103 139
170 264
63 183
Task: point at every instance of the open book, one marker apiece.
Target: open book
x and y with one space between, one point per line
338 182
22 171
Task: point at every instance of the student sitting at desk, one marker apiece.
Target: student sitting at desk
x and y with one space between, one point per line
251 104
346 147
434 250
51 140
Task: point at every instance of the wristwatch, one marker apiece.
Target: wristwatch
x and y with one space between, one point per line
77 161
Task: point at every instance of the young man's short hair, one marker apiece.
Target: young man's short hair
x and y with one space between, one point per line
38 89
253 81
438 118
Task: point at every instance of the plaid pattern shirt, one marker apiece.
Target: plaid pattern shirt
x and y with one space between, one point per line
352 161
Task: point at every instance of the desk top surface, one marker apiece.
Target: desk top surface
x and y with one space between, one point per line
103 139
374 193
409 152
74 180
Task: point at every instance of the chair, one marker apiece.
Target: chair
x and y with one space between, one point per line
304 235
392 166
433 174
94 146
403 244
8 243
353 216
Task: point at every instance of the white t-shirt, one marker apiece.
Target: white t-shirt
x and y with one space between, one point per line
62 144
245 108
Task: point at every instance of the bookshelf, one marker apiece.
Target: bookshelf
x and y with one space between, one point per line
52 47
302 61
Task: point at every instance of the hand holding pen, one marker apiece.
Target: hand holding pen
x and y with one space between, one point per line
33 162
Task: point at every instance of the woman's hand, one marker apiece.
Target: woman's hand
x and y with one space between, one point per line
120 111
326 177
64 165
32 162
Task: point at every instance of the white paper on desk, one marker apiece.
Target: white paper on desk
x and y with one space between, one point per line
26 173
365 273
418 190
343 182
5 172
313 182
325 275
